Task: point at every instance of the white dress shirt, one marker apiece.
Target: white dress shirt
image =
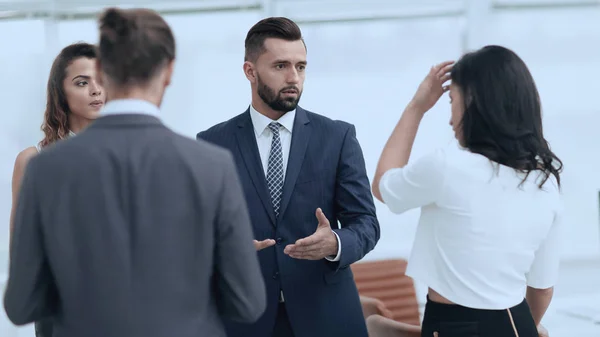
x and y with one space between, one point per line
128 106
264 137
481 238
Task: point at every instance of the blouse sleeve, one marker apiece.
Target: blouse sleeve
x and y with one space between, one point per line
543 273
417 184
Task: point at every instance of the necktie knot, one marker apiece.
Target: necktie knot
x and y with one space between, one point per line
274 127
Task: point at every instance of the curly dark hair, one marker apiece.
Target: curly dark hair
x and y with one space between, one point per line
503 115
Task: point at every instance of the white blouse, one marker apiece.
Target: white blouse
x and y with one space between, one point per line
481 238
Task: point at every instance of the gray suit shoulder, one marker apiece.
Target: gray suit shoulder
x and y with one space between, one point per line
207 151
47 155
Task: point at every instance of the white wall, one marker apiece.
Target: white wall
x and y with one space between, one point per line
360 72
368 81
363 73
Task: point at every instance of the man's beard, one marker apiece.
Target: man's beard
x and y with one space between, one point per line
275 100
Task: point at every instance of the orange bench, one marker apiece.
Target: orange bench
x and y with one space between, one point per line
388 298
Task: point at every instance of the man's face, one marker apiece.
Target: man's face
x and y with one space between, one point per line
280 73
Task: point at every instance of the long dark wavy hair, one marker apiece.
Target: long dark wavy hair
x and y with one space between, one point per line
56 117
503 115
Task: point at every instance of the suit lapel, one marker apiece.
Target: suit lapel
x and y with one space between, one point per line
246 140
300 137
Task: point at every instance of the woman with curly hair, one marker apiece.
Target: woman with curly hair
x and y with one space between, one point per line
488 240
74 99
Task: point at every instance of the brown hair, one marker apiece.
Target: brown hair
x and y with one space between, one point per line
56 116
134 45
274 27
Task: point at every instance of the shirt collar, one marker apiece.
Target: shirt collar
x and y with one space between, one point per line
130 105
261 122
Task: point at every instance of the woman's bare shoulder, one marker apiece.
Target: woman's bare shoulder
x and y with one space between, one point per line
24 156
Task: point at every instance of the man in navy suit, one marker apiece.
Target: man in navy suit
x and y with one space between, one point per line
301 173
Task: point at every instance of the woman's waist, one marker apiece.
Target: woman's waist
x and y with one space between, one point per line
449 311
472 290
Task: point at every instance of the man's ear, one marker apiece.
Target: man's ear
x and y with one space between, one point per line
250 71
169 72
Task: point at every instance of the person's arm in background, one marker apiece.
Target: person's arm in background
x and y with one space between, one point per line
359 229
397 149
354 209
19 169
241 288
543 273
401 185
539 301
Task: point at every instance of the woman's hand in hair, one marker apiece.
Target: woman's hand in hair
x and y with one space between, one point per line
432 87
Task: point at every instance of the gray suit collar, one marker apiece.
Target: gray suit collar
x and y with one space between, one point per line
125 120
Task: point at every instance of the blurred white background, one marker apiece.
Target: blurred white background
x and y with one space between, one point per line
365 58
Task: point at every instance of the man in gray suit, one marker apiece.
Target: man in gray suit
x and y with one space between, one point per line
128 229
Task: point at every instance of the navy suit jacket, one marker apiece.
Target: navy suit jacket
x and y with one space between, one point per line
325 169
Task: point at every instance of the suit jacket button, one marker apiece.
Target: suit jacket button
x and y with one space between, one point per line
276 275
279 241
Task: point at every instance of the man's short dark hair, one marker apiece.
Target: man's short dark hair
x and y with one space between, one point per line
135 44
274 27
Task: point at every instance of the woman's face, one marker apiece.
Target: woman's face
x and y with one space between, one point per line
84 94
458 110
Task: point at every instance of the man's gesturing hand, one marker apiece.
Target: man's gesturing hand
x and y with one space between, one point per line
259 245
317 246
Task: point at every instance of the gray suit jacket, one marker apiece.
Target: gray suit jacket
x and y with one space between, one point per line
128 230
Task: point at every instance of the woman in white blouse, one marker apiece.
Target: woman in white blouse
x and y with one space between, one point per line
488 237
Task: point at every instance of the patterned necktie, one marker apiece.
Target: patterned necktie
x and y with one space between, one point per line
275 168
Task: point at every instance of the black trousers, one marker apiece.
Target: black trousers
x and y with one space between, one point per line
458 321
43 328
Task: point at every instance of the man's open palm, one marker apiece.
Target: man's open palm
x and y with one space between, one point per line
317 246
